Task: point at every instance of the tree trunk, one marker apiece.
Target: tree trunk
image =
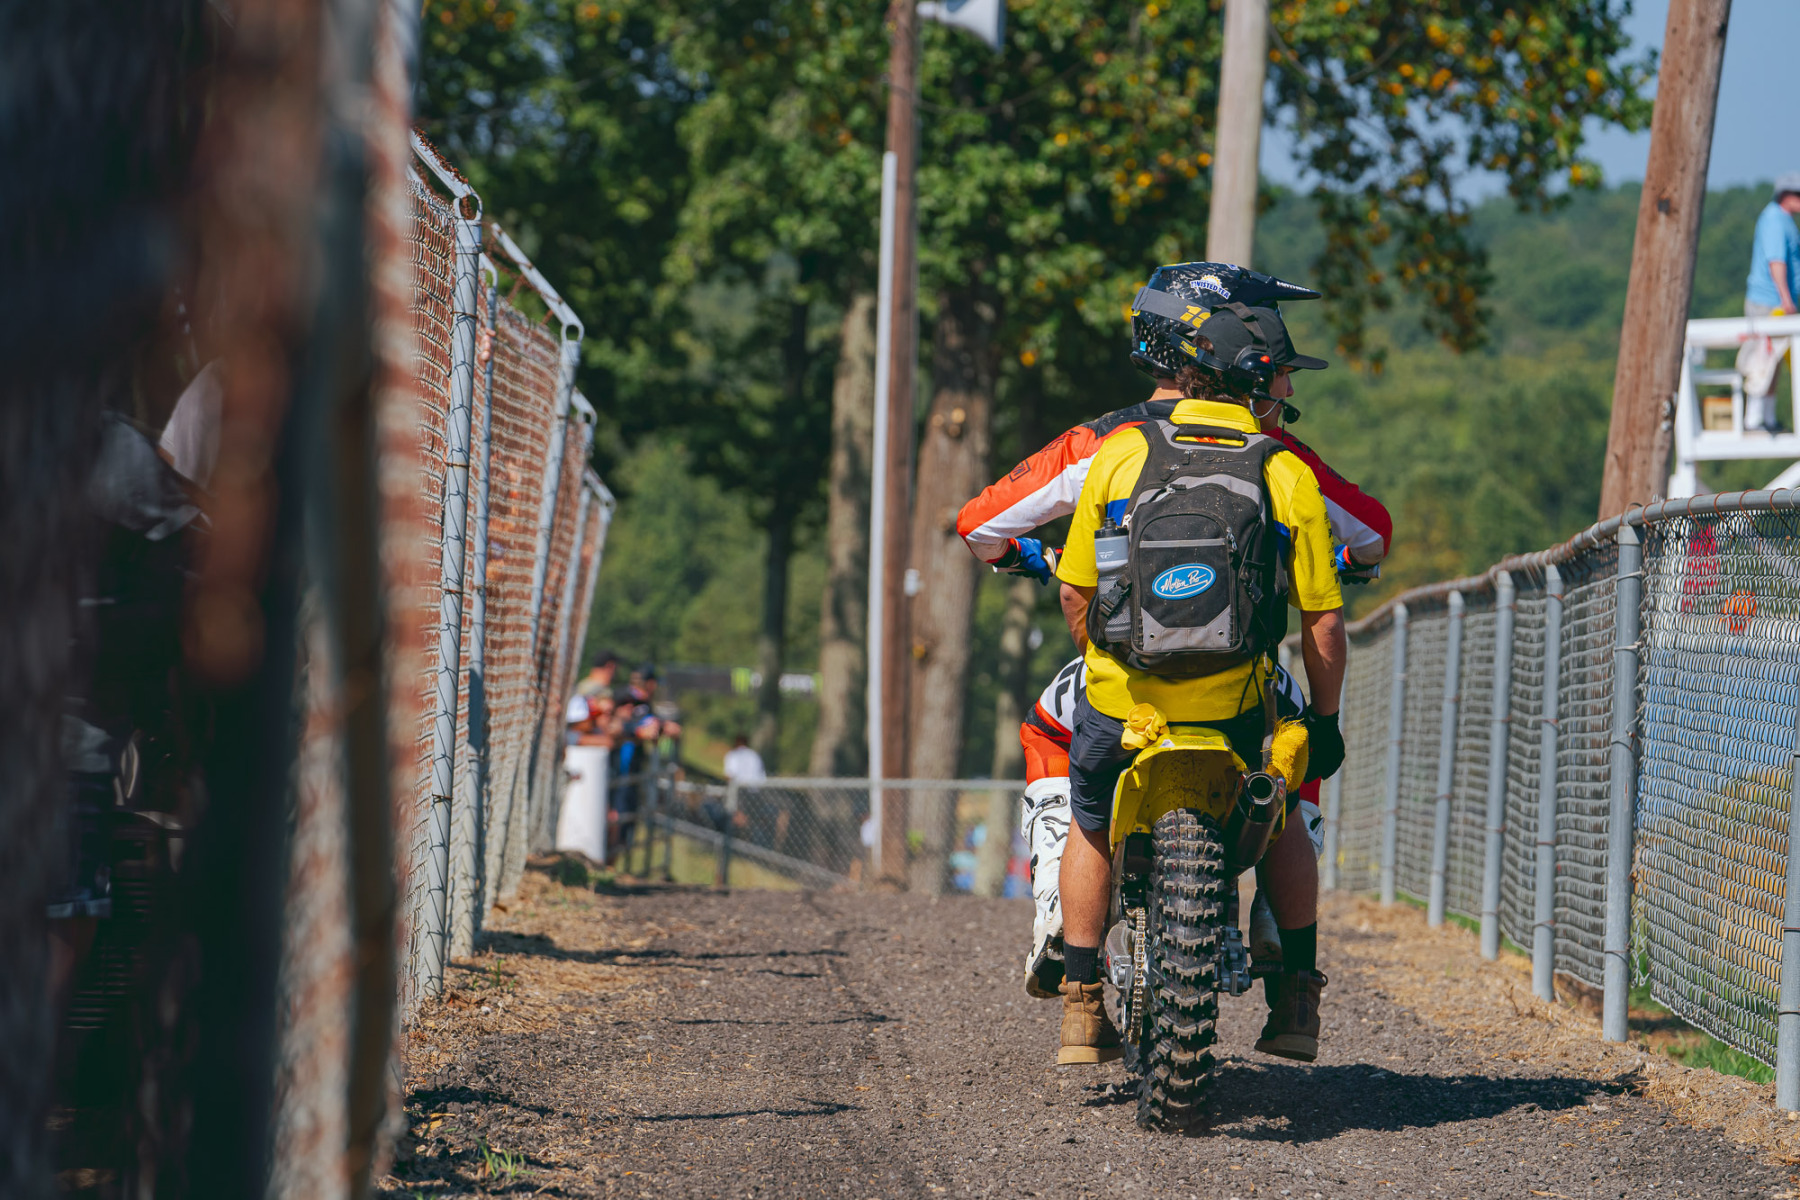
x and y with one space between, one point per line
1013 698
838 746
1022 597
771 640
953 456
1010 704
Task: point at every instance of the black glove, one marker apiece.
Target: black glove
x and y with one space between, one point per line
1325 746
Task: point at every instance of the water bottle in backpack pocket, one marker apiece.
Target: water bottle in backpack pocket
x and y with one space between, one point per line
1112 555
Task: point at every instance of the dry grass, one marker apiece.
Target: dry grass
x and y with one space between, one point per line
551 952
1439 974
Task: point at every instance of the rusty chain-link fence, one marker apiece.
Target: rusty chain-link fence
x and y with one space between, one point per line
517 521
1489 762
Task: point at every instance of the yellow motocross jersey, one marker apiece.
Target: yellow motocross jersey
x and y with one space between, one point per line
1299 509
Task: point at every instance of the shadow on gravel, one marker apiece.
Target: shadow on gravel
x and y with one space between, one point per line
863 1019
429 1100
540 945
820 1108
1264 1102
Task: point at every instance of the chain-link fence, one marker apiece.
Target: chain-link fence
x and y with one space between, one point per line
962 835
1719 657
518 522
1361 788
1522 665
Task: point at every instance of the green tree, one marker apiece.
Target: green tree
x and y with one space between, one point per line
1056 173
563 115
1397 100
735 145
780 208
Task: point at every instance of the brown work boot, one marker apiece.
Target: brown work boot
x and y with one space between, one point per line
1087 1035
1292 1030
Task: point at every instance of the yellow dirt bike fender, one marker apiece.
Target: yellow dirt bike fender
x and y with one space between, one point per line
1191 766
1184 768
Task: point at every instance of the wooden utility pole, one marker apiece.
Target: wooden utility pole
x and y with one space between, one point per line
1662 256
1237 143
903 354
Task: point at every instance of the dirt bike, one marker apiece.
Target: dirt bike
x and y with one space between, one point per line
1189 817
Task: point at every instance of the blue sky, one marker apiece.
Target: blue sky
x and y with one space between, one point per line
1757 134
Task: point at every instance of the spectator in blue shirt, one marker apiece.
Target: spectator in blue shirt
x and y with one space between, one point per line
1774 274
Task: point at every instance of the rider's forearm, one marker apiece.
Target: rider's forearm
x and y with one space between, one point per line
1778 275
1075 602
1324 648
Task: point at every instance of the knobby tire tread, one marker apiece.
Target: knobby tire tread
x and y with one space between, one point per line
1187 912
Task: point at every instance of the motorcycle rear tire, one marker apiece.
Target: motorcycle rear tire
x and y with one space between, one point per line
1186 918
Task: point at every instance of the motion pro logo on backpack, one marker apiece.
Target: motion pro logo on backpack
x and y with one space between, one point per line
1178 583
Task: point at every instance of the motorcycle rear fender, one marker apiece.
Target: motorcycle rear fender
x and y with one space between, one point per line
1193 768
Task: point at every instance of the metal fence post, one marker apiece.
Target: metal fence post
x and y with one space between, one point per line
466 230
474 806
731 807
1334 810
1499 745
1446 771
1390 820
649 803
1787 1021
1543 933
1334 791
668 824
1615 1009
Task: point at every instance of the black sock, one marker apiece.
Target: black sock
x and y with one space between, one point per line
1081 964
1300 949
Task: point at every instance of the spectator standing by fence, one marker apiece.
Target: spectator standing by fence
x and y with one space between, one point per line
742 763
598 682
1769 291
638 734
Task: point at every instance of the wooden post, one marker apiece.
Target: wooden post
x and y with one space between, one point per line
902 141
1231 225
1662 256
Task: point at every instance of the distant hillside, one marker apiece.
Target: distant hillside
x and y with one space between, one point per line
1499 450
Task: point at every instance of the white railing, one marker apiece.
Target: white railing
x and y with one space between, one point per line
1694 443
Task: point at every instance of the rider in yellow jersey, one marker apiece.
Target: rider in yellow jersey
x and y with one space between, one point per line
1215 360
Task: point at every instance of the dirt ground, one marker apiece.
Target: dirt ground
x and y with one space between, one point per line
688 1042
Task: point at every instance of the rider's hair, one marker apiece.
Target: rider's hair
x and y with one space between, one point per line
1197 384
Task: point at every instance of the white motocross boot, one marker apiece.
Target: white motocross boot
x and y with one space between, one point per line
1265 936
1044 820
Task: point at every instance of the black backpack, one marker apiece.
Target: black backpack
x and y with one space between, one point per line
1205 588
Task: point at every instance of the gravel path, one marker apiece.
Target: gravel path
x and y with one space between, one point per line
782 1044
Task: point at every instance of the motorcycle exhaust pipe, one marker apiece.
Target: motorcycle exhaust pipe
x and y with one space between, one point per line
1252 818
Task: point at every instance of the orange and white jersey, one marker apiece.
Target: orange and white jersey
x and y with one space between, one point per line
1046 486
1045 732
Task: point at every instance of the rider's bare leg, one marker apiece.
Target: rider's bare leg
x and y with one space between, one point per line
1086 883
1289 875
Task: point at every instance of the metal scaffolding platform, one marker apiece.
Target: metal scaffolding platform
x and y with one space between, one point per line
1701 431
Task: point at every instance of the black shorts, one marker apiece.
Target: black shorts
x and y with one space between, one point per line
1096 759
